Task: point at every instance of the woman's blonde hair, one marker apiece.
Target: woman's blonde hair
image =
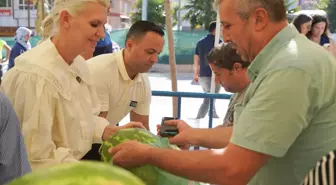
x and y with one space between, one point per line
51 22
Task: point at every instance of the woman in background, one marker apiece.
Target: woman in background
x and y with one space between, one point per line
21 45
303 23
319 33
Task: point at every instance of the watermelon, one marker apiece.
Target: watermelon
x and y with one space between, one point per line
81 173
151 175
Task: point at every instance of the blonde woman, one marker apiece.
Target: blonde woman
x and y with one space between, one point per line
51 90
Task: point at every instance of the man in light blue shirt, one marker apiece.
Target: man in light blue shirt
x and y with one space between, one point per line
13 155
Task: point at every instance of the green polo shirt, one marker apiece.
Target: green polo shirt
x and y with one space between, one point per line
289 110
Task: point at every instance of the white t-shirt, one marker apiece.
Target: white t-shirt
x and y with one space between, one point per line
118 94
56 104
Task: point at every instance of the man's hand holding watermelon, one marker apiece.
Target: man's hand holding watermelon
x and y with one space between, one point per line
110 130
130 154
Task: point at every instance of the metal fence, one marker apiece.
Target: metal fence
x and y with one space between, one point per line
181 95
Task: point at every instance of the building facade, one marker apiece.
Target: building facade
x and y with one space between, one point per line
119 15
15 13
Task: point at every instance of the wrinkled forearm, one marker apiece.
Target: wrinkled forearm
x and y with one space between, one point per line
196 65
215 138
203 166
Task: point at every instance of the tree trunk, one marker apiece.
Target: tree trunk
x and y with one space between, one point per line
28 11
42 11
171 53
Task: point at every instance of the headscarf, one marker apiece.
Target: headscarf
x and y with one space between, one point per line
20 37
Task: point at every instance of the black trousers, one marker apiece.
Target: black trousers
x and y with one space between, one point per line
0 73
93 154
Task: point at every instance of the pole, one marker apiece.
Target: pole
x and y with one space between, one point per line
213 83
28 8
43 9
171 54
144 10
179 16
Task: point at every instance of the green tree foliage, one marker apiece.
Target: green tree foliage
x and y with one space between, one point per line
330 7
155 12
290 6
200 13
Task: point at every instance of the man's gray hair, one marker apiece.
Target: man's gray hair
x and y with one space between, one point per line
216 2
276 9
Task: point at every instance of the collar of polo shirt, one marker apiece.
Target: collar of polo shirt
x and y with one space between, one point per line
261 61
122 69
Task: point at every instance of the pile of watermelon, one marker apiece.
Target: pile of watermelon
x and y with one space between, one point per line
95 173
151 175
82 173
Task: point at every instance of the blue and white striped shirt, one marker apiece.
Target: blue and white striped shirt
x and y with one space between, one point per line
13 156
324 172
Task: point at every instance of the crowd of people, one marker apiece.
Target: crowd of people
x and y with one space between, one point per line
316 28
58 101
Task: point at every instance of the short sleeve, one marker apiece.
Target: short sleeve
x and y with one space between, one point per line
198 48
276 114
2 43
144 107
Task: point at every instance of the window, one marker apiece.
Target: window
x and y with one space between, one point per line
5 3
23 4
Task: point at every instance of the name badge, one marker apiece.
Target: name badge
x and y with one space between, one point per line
133 104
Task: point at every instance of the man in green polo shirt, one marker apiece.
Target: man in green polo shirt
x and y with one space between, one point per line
287 120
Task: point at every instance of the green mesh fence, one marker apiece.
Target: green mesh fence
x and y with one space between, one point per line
185 43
